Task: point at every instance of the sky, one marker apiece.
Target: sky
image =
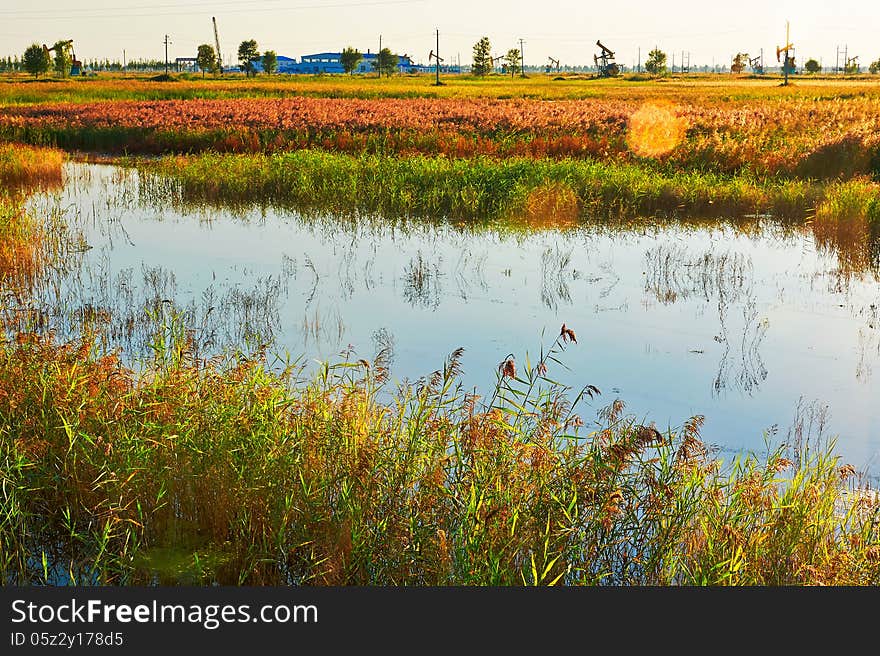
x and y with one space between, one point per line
567 30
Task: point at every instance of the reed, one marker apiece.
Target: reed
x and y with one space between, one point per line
22 238
795 137
21 253
22 165
475 189
241 470
847 221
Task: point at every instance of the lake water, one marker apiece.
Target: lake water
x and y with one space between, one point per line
750 324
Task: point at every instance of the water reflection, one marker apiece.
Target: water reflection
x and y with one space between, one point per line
736 321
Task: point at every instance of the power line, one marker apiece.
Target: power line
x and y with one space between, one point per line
104 14
175 5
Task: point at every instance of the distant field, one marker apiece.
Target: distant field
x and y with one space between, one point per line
816 128
22 89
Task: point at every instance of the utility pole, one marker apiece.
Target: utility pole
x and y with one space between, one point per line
379 57
123 60
640 59
166 54
217 42
437 68
522 60
785 59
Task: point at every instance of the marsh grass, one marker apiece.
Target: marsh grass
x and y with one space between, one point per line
848 221
25 242
239 470
22 165
474 189
526 192
20 241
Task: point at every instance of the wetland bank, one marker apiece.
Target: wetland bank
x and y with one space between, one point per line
334 366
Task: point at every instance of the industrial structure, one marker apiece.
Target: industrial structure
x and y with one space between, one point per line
604 61
757 63
788 64
331 62
67 47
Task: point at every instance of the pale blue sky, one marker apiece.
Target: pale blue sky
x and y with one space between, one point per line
566 30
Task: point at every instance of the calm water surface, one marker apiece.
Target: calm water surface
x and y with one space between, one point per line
750 325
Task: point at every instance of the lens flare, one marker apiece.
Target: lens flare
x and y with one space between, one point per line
654 129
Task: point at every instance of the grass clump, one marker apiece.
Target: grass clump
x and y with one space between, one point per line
242 470
22 165
847 221
473 189
21 245
23 249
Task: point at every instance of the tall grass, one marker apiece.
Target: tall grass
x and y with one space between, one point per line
23 246
848 222
22 165
789 136
479 188
240 471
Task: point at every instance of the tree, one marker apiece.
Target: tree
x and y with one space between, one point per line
512 61
350 59
656 62
482 57
36 60
874 68
63 57
812 66
270 62
739 62
206 58
247 55
385 62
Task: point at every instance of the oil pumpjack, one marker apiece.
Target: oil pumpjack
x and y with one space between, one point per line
605 62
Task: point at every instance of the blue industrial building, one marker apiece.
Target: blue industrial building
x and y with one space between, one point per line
331 62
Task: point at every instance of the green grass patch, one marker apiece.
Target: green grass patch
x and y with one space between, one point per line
475 189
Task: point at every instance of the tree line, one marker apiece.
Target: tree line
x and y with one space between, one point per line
39 60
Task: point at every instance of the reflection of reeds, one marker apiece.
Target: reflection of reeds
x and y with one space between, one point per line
323 329
556 274
421 282
672 274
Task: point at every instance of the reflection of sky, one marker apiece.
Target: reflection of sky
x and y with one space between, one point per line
740 344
